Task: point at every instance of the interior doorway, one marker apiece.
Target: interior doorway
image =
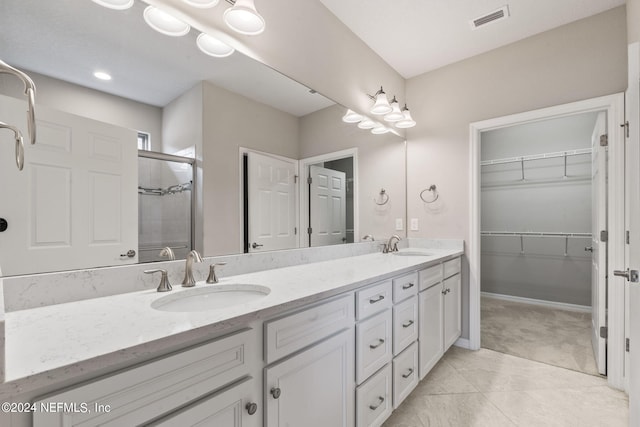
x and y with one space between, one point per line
613 107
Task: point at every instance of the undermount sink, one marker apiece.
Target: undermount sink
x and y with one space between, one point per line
210 297
411 253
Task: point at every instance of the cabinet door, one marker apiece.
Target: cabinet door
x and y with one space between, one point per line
234 406
431 334
452 322
314 388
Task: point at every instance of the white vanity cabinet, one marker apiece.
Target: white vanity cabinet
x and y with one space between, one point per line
439 312
145 393
313 387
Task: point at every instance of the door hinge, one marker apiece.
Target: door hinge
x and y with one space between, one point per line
604 140
625 125
627 237
309 230
626 344
295 230
309 180
295 179
604 236
603 332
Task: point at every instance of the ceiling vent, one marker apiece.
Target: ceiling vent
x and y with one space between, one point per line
495 16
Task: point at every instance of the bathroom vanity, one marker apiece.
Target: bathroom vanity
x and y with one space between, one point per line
340 342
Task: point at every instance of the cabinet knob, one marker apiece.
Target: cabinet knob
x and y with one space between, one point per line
275 392
251 408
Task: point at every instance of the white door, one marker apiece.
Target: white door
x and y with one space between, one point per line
272 203
328 209
598 247
75 203
632 220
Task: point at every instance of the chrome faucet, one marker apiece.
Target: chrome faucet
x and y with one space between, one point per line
188 280
368 236
167 252
390 246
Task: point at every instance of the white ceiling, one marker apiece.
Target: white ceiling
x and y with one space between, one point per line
416 36
70 39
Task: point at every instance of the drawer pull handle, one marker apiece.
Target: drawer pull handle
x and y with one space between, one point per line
408 286
373 301
275 392
406 325
408 374
251 408
374 346
380 402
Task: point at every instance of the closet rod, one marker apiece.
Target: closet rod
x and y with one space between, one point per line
534 234
536 157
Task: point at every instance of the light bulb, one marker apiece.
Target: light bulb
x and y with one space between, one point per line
115 4
381 106
379 129
244 18
407 121
367 123
164 22
213 47
395 113
201 4
351 117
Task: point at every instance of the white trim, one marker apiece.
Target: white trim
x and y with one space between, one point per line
463 343
242 152
614 106
303 166
539 302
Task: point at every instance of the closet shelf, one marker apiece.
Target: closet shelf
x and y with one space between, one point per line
523 234
536 157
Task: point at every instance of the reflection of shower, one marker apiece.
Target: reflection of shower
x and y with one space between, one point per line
165 205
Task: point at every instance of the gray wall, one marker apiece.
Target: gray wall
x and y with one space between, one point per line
544 202
581 60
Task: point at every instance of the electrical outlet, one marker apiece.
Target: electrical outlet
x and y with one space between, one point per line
399 224
414 224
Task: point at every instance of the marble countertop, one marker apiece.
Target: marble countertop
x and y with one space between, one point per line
57 342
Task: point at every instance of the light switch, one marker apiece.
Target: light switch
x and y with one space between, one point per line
399 224
414 224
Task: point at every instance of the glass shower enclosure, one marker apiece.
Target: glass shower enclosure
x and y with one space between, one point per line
165 205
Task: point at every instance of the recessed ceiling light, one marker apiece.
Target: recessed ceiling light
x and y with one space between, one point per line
213 47
115 4
202 4
102 75
164 22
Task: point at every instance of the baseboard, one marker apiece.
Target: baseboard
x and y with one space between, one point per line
463 343
551 304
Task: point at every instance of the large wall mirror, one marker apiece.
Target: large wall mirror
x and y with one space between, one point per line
84 180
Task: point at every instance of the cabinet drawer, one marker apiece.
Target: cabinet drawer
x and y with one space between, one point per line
405 324
451 267
405 374
373 299
373 399
430 276
291 333
143 393
404 287
227 407
373 345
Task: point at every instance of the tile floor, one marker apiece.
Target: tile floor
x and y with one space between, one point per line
490 389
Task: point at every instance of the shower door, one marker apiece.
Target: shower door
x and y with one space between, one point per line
165 205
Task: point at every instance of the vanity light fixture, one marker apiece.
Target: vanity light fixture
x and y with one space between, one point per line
381 105
213 47
243 18
407 121
379 129
352 117
395 114
202 4
164 22
115 4
367 123
101 75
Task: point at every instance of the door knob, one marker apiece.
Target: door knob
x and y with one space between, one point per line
256 245
588 248
630 275
251 408
275 392
130 254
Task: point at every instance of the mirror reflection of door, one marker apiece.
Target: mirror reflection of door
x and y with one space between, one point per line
331 202
270 203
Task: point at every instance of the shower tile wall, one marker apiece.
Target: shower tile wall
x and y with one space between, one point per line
163 220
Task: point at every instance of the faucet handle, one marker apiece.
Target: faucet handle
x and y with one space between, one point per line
213 277
167 252
164 285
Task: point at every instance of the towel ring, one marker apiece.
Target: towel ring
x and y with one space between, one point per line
383 194
435 194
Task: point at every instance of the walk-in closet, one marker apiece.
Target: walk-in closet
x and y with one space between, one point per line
538 182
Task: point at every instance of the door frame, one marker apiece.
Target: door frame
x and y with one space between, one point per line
242 152
614 106
304 191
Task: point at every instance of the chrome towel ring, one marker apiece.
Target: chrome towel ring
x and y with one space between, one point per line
19 144
384 198
432 189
